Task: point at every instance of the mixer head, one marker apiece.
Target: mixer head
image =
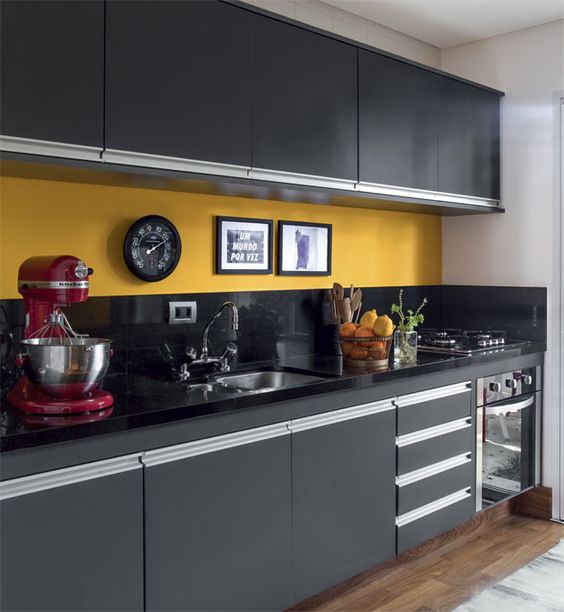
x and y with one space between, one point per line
48 283
60 280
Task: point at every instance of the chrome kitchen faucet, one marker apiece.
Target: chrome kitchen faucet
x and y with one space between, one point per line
230 350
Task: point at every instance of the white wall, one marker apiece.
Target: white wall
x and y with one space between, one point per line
518 247
335 20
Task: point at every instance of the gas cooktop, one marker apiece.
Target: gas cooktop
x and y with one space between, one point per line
455 341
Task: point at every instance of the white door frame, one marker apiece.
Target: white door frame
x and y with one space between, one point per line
554 394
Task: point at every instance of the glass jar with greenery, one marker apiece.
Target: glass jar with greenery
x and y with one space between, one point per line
405 336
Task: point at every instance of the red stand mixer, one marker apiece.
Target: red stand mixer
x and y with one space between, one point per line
62 369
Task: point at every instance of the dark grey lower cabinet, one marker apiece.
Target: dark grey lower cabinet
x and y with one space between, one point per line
343 495
218 523
72 539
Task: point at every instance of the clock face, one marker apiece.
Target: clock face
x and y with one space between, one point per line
152 248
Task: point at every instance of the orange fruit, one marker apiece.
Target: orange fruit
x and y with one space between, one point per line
365 332
348 329
358 353
346 348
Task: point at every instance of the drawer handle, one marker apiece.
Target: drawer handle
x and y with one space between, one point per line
337 416
67 476
433 469
439 504
215 444
433 394
433 432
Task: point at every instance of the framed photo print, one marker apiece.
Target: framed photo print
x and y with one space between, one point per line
243 246
304 248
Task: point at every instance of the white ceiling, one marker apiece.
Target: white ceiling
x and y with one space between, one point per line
447 23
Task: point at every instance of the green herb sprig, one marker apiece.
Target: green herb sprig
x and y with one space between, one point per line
409 321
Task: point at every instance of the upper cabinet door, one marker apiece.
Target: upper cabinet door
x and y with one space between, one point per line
178 79
52 71
398 123
468 140
304 101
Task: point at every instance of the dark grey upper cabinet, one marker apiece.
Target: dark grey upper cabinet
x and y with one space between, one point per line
218 525
304 101
77 546
178 79
343 497
468 140
52 70
398 123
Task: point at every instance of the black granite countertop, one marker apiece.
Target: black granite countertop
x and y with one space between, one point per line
144 401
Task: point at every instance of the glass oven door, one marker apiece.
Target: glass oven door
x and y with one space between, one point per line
508 447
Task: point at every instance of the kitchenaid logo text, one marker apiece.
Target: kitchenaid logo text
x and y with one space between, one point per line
245 246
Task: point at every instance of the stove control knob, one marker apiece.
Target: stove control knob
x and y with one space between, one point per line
501 340
511 383
495 387
527 379
482 343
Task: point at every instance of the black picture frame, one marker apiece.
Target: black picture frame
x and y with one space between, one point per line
221 251
284 257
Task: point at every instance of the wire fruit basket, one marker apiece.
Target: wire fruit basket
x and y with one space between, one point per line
363 351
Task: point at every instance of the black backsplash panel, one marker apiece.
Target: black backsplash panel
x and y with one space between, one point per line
280 323
521 311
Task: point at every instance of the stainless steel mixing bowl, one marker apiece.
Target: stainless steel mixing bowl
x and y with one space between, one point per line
66 368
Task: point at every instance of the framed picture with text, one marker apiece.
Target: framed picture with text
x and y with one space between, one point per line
243 246
304 249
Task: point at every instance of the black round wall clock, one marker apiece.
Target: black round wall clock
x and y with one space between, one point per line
152 248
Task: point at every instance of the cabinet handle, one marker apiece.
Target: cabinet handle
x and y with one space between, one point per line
133 158
32 146
215 444
433 394
433 432
66 476
424 194
439 504
433 469
337 416
295 178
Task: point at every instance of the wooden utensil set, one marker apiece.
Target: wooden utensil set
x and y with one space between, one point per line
344 309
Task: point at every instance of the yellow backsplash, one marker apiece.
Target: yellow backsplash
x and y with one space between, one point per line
40 217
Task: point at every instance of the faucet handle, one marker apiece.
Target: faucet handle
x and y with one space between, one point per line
191 353
229 351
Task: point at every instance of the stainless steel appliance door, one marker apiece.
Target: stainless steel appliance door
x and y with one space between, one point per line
507 446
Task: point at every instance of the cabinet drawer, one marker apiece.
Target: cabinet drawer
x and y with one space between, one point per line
424 486
433 519
434 407
434 444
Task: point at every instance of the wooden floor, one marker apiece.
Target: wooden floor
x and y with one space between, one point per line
448 574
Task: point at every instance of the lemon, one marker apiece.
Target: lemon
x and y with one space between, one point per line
383 326
368 318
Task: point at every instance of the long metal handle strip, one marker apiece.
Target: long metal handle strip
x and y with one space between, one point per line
439 504
132 158
337 416
295 178
433 469
433 432
434 197
433 394
67 476
32 146
215 444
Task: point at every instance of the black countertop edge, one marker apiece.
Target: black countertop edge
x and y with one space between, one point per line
133 409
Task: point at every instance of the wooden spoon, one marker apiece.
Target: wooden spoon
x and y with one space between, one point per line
338 291
356 299
344 308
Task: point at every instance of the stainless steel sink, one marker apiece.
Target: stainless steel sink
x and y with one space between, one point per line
267 380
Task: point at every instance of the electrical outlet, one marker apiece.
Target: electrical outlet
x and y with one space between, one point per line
182 312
